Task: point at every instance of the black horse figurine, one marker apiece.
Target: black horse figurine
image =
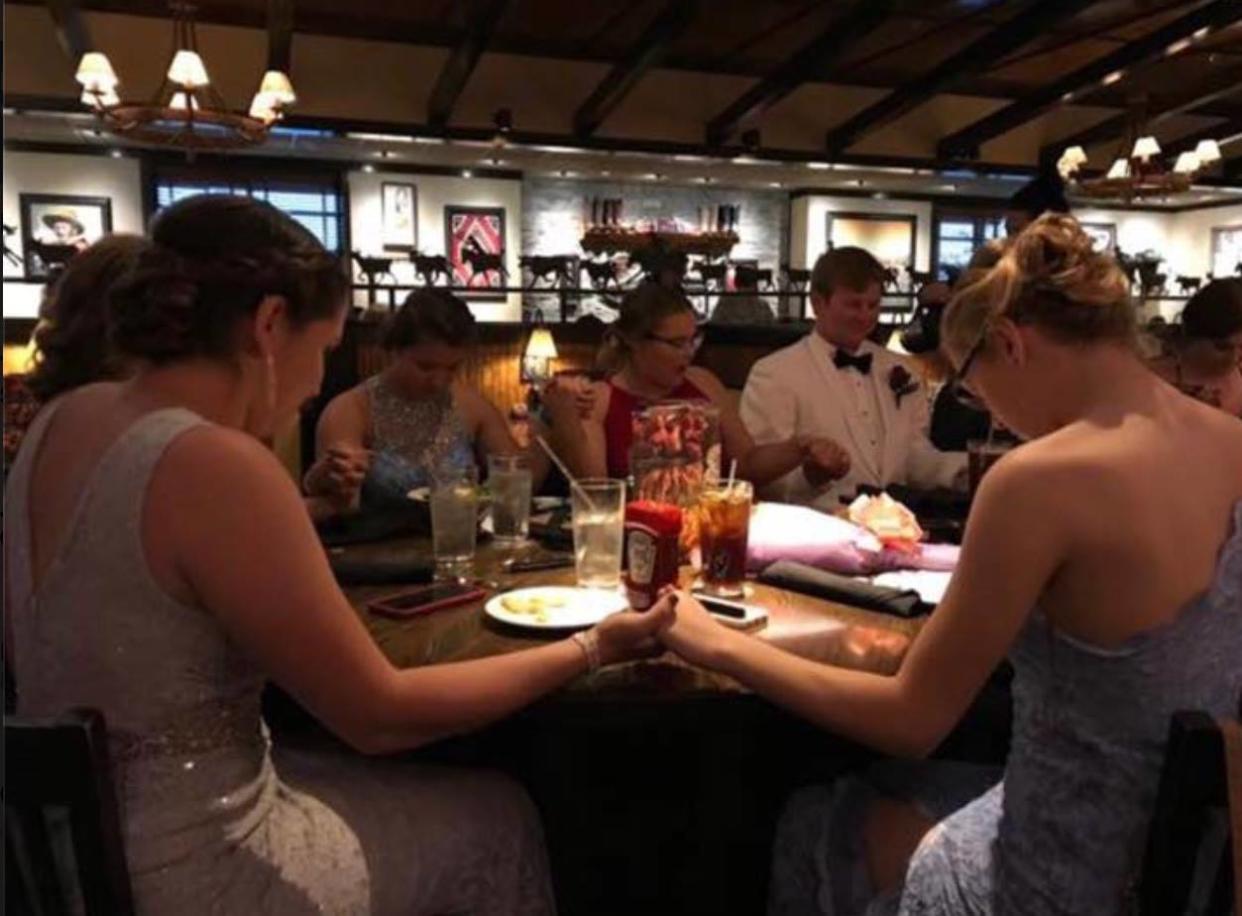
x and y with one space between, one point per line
373 267
602 274
483 262
547 267
1188 285
795 277
430 266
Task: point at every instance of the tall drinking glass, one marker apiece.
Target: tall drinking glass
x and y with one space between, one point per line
599 531
724 529
454 522
509 480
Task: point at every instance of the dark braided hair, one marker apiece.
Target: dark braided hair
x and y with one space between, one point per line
213 259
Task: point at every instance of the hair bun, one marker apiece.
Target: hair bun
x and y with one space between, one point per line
1054 248
153 310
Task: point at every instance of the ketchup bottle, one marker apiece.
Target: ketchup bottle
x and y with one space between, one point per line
652 550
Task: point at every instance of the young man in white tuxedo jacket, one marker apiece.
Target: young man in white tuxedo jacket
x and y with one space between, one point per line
836 384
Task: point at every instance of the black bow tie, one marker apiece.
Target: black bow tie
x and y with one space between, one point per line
861 362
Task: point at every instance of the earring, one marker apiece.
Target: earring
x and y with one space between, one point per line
269 384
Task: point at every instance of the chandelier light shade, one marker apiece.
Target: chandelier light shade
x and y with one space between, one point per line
1187 164
1145 148
1207 152
95 73
1120 169
186 111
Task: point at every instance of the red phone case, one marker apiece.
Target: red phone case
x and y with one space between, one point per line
401 605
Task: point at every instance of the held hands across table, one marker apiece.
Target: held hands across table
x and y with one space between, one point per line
690 631
632 634
338 475
823 461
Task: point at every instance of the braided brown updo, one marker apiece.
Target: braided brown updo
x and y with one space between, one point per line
212 260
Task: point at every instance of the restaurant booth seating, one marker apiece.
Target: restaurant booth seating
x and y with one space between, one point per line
63 846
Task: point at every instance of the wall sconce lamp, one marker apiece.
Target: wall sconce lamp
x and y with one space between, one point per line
538 355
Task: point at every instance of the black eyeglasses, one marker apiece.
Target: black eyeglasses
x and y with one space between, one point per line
957 381
685 344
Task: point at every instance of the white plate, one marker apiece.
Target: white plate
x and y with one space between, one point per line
567 608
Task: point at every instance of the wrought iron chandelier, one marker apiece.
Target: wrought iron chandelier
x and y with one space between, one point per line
186 112
1144 172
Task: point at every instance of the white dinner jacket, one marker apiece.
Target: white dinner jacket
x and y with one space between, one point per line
798 391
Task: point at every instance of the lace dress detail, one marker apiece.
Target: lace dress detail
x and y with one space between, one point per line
1064 831
210 825
411 441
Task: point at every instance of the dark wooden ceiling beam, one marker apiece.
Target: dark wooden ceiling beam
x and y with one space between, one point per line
1225 84
1228 130
481 19
280 35
647 52
1033 21
965 143
810 62
71 28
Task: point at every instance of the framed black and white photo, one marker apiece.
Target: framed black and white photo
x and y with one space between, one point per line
399 216
1227 251
57 226
1103 235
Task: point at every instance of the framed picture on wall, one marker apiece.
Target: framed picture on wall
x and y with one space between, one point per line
398 216
474 238
888 236
1103 235
57 226
1227 251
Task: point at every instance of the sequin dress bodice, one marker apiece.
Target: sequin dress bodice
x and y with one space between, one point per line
211 825
411 441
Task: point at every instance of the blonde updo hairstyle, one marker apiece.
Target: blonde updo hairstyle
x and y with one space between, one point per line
1049 277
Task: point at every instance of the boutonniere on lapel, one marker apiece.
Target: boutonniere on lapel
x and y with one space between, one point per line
901 383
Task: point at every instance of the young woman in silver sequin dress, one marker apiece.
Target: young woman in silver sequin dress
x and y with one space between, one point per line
161 566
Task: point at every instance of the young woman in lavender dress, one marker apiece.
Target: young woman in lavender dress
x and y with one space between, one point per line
1104 556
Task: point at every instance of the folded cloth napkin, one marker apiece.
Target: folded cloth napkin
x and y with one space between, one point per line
374 525
807 580
379 571
784 532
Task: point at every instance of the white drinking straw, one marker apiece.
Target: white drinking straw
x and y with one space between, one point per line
573 481
732 474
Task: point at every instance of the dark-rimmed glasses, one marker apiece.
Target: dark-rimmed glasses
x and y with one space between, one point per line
957 381
684 344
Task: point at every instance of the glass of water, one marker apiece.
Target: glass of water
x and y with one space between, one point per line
508 479
454 522
599 531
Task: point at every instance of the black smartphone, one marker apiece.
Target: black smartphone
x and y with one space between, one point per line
722 606
426 599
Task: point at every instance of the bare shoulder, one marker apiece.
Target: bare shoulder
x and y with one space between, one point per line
349 411
220 461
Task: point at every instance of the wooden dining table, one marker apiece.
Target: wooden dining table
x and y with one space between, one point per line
658 783
814 628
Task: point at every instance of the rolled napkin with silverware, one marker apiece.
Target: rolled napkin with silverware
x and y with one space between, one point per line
355 570
807 580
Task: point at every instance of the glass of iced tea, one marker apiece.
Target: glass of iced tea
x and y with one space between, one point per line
724 526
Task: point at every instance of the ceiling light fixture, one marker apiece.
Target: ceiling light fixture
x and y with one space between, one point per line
186 111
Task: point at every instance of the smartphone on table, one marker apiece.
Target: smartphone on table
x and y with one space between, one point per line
426 599
734 614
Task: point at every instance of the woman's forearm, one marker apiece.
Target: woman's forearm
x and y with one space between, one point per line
427 704
868 708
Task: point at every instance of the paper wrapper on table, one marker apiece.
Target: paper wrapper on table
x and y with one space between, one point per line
784 532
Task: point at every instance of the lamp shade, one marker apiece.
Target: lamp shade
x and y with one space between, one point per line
183 100
1207 152
541 345
1145 148
277 87
1187 164
187 70
1120 169
1075 155
95 73
264 108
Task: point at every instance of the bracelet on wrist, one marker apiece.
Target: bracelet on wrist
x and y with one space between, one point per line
588 642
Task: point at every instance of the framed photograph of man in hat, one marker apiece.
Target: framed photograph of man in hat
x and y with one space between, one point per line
56 226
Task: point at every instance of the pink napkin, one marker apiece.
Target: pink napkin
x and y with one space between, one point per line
784 532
